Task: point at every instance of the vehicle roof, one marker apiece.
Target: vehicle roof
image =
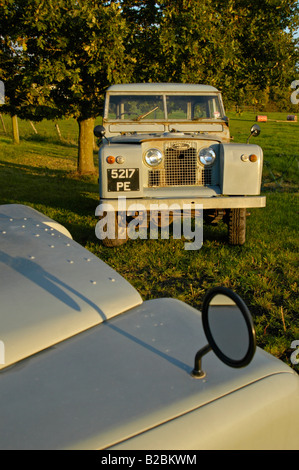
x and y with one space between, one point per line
161 87
51 287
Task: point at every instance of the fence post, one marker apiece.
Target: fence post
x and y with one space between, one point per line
3 125
58 130
15 129
33 127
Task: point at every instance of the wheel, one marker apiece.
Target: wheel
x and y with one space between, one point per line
120 236
236 226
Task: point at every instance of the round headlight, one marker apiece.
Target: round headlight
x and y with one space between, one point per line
153 157
207 156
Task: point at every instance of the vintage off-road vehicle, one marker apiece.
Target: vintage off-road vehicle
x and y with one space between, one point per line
170 143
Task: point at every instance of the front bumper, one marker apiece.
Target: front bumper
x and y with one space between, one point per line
137 204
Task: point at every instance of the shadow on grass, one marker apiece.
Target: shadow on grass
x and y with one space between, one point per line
57 193
50 140
28 170
215 233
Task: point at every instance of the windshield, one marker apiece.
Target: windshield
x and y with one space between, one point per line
151 107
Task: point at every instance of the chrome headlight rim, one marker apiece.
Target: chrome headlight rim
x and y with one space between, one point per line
207 156
153 157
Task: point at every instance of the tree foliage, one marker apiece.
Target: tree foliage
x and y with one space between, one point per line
70 52
57 57
236 45
143 41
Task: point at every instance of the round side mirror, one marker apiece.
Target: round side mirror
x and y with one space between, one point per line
229 329
99 131
255 130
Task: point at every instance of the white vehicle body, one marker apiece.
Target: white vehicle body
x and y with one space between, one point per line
89 365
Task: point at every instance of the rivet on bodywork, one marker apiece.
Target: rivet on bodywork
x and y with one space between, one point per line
93 282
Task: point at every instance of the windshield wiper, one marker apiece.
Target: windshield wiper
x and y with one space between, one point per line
146 114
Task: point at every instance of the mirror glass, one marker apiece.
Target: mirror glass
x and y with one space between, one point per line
255 130
229 328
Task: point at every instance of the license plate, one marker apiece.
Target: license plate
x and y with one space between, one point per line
123 179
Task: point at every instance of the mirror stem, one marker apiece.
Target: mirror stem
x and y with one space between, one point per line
197 372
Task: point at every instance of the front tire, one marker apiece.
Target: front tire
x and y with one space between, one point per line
121 233
237 226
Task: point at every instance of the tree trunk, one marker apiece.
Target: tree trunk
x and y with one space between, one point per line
15 129
85 150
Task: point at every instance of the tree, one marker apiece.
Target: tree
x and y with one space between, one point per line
143 18
193 41
10 63
236 45
267 49
71 51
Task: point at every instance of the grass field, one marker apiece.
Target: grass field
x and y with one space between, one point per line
41 172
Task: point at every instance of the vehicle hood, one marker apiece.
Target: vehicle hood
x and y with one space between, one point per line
139 138
51 287
120 379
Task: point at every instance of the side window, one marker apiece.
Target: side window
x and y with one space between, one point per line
214 109
207 107
200 110
114 107
177 107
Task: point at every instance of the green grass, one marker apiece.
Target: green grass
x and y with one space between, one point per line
41 172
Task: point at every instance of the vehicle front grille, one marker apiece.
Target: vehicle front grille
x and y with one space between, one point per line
180 164
181 167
